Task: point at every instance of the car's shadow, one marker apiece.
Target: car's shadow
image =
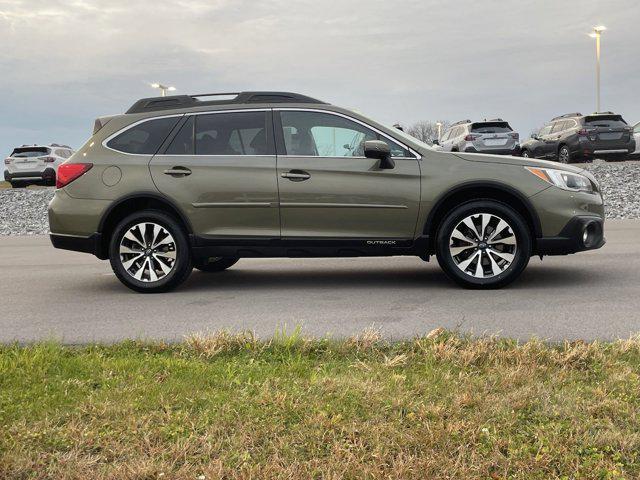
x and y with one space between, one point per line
355 277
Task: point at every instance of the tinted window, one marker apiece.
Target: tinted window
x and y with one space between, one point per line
182 143
326 135
242 133
608 121
491 127
546 130
144 138
24 152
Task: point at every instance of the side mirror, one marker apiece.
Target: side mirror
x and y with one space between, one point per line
535 136
436 142
379 150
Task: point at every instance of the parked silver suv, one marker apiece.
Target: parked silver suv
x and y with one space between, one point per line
490 136
37 164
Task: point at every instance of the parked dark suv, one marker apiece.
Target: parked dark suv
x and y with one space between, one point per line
576 137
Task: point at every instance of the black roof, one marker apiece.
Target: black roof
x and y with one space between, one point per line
187 101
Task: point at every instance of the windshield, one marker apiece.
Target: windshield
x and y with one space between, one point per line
607 121
491 127
29 152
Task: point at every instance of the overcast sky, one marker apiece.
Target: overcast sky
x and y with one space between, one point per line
65 62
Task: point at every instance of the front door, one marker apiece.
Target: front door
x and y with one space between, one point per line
329 190
220 168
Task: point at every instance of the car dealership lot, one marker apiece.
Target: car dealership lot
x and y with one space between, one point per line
54 294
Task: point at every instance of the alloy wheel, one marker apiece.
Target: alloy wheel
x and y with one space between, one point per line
483 245
148 252
563 155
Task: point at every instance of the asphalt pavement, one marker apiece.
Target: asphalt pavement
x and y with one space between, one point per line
74 298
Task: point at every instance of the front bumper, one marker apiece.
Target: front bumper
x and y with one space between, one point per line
579 234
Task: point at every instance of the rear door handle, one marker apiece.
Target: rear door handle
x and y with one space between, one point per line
296 175
178 171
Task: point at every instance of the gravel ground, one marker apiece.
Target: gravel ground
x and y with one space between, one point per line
24 212
620 183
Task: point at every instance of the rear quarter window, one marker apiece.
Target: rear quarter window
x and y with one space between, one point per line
144 138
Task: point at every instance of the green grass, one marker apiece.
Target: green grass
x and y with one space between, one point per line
229 406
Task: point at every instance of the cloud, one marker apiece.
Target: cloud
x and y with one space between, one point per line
64 62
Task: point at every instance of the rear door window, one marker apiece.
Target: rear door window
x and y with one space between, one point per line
233 134
182 143
144 138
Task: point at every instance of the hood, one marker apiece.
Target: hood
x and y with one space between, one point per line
517 161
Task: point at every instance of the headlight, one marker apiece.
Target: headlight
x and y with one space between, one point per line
561 179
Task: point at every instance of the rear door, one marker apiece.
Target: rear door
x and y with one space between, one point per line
611 132
220 168
329 190
28 159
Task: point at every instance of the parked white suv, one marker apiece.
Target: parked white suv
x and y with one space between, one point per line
490 136
636 135
37 164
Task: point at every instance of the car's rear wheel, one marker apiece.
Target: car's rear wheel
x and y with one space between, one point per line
149 252
483 244
564 154
215 264
525 153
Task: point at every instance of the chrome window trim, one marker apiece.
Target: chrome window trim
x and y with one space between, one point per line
417 156
134 124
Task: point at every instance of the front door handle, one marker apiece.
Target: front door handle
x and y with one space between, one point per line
178 171
296 175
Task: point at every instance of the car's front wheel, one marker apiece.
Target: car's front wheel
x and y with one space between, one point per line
525 153
483 244
215 264
149 252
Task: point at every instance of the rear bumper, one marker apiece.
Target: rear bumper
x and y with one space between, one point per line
46 175
494 151
91 244
579 234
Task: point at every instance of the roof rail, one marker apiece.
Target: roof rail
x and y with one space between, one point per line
603 113
567 115
186 101
494 120
460 122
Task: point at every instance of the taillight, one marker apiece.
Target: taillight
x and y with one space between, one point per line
470 138
515 135
48 159
585 131
68 172
7 160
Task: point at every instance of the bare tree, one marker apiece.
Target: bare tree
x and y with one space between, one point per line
427 131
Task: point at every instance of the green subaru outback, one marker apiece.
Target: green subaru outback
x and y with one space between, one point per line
201 181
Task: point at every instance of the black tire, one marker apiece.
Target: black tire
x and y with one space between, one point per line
215 265
180 266
525 153
564 154
18 185
521 251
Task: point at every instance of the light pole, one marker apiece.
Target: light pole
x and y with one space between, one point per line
439 125
163 88
597 31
